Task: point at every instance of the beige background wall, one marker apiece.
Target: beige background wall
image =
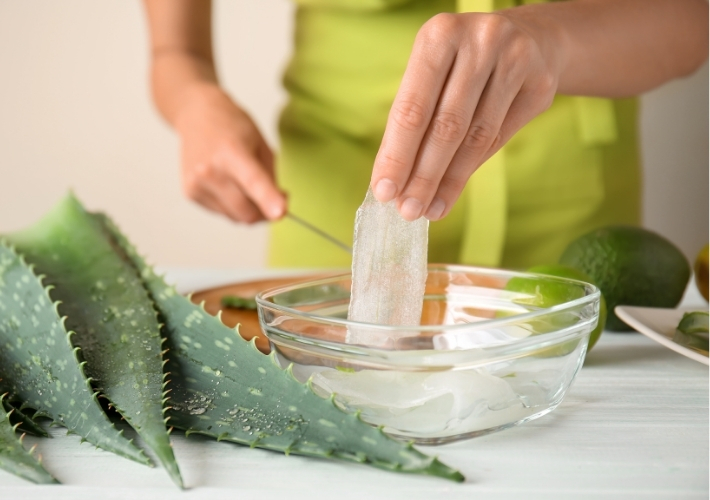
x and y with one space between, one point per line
75 113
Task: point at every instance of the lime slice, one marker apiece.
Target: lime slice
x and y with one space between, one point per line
558 293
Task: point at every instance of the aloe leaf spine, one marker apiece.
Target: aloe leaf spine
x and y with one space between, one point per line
13 456
106 304
39 365
26 423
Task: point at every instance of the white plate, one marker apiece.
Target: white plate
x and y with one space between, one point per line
659 325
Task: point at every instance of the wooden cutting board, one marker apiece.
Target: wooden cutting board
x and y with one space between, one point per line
247 319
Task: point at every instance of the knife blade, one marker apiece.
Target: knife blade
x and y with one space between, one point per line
320 232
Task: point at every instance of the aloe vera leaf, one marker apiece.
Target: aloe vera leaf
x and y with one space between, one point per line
13 456
107 306
25 422
224 387
40 367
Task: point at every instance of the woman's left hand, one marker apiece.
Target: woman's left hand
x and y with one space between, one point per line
472 81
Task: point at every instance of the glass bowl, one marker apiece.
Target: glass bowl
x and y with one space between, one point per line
494 349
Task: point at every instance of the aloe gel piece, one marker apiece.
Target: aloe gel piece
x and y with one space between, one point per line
389 272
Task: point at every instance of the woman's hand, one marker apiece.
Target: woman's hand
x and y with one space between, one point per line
472 81
227 166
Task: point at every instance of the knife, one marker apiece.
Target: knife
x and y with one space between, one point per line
320 232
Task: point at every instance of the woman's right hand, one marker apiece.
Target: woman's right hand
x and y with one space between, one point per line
226 164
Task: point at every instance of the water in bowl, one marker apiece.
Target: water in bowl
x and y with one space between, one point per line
484 358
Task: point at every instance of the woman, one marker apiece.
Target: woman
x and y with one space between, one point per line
428 91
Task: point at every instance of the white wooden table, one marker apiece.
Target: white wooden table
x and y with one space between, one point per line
634 425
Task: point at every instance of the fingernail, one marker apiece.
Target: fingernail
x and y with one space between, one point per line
385 190
436 209
276 212
411 209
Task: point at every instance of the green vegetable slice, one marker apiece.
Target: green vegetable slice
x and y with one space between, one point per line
234 302
225 388
107 306
692 330
13 456
40 367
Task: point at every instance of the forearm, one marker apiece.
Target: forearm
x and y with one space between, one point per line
618 48
181 52
175 78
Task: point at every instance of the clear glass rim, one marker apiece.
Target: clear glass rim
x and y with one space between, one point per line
591 296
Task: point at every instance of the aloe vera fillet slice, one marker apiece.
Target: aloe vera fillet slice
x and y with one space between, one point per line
223 387
108 307
692 331
13 456
25 422
40 367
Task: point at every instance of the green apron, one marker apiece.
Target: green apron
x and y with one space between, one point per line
573 168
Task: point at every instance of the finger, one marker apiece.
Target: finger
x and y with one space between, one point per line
207 201
206 185
519 114
535 95
192 178
448 127
266 157
413 106
484 134
234 203
530 102
254 181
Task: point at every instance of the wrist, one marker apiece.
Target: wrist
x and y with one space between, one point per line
196 95
178 79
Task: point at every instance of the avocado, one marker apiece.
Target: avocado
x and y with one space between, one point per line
631 266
